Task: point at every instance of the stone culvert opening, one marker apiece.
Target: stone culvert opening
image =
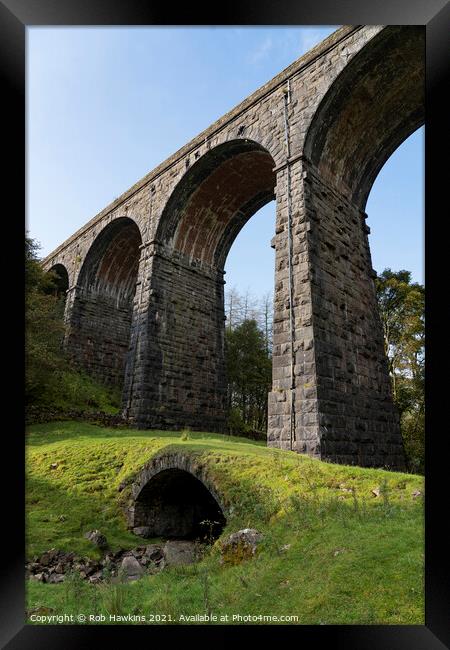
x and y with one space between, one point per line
175 504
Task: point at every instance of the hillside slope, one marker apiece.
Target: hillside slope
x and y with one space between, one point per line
333 552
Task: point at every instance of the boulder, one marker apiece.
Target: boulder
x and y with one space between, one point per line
240 546
180 552
249 536
130 568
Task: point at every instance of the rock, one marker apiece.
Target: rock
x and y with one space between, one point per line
41 610
416 493
48 557
338 551
97 538
39 576
180 552
55 578
154 552
96 577
249 536
53 465
284 548
240 546
142 531
107 562
376 492
154 568
89 569
131 569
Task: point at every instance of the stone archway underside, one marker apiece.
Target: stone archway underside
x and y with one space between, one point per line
100 324
61 280
215 199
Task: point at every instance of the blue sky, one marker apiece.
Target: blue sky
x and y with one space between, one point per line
106 105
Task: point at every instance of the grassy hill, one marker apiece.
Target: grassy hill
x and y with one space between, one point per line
353 557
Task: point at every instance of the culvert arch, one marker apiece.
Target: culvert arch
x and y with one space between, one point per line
173 496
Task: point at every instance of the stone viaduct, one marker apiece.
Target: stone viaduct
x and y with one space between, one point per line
145 277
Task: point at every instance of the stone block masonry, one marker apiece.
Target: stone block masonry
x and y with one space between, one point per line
145 298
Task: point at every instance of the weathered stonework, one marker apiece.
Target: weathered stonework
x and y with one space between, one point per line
145 302
172 494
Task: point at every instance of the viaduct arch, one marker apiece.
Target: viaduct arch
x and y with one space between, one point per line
101 312
61 279
144 306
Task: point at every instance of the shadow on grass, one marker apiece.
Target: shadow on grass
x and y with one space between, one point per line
58 517
48 432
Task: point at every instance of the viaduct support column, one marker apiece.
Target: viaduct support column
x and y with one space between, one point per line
332 379
175 373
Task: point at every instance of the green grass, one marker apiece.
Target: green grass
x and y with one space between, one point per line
353 557
73 390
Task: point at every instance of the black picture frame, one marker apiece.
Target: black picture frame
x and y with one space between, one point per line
15 17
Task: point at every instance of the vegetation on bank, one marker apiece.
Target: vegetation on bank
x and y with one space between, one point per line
333 551
53 385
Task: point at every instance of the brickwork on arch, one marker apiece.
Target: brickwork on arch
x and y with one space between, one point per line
98 332
148 315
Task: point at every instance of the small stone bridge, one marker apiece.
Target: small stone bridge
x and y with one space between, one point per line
145 277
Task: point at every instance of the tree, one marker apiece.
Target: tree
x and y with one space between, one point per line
44 327
241 307
249 371
267 320
401 303
233 308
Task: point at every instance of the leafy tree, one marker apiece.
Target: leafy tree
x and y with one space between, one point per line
44 327
52 385
401 304
249 371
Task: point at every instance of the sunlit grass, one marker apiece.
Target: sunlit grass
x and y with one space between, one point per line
353 557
